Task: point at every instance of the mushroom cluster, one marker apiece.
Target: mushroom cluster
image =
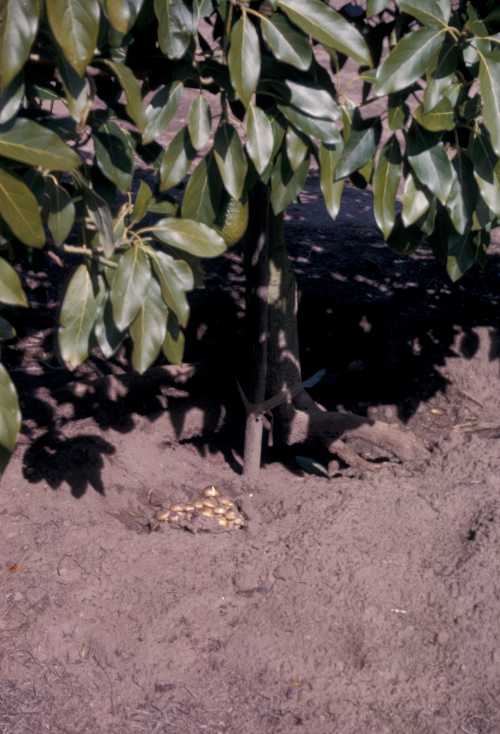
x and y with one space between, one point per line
210 507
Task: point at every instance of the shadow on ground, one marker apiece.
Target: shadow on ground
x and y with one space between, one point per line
382 326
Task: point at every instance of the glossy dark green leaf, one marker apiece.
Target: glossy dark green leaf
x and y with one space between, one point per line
438 89
61 211
11 98
286 184
360 146
331 189
385 186
176 160
489 82
415 201
7 331
10 417
143 199
433 13
286 42
130 285
175 278
76 320
28 142
100 214
149 328
107 335
164 207
175 26
11 289
430 163
328 27
200 122
325 131
190 236
260 137
397 115
486 170
75 25
122 14
132 89
244 59
463 195
398 110
441 117
19 208
18 28
463 252
309 99
78 92
408 61
203 195
161 110
231 161
114 150
173 346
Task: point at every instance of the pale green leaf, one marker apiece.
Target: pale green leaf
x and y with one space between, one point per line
75 25
18 27
489 82
114 151
11 289
78 314
385 186
231 161
132 89
176 160
286 42
415 201
130 285
409 60
122 14
331 189
244 59
189 236
260 138
328 27
199 123
19 208
61 211
149 328
173 346
175 26
28 142
10 417
175 278
434 13
161 110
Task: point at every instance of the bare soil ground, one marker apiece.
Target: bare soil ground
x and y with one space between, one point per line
348 605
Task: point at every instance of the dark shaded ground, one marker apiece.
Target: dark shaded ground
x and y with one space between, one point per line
354 606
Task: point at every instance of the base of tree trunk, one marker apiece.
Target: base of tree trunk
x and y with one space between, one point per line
299 419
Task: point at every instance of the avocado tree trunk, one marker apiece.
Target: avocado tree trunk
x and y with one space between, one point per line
257 318
276 376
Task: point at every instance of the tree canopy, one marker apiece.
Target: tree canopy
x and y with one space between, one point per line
88 89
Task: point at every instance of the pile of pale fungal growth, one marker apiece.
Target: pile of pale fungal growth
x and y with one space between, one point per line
211 508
